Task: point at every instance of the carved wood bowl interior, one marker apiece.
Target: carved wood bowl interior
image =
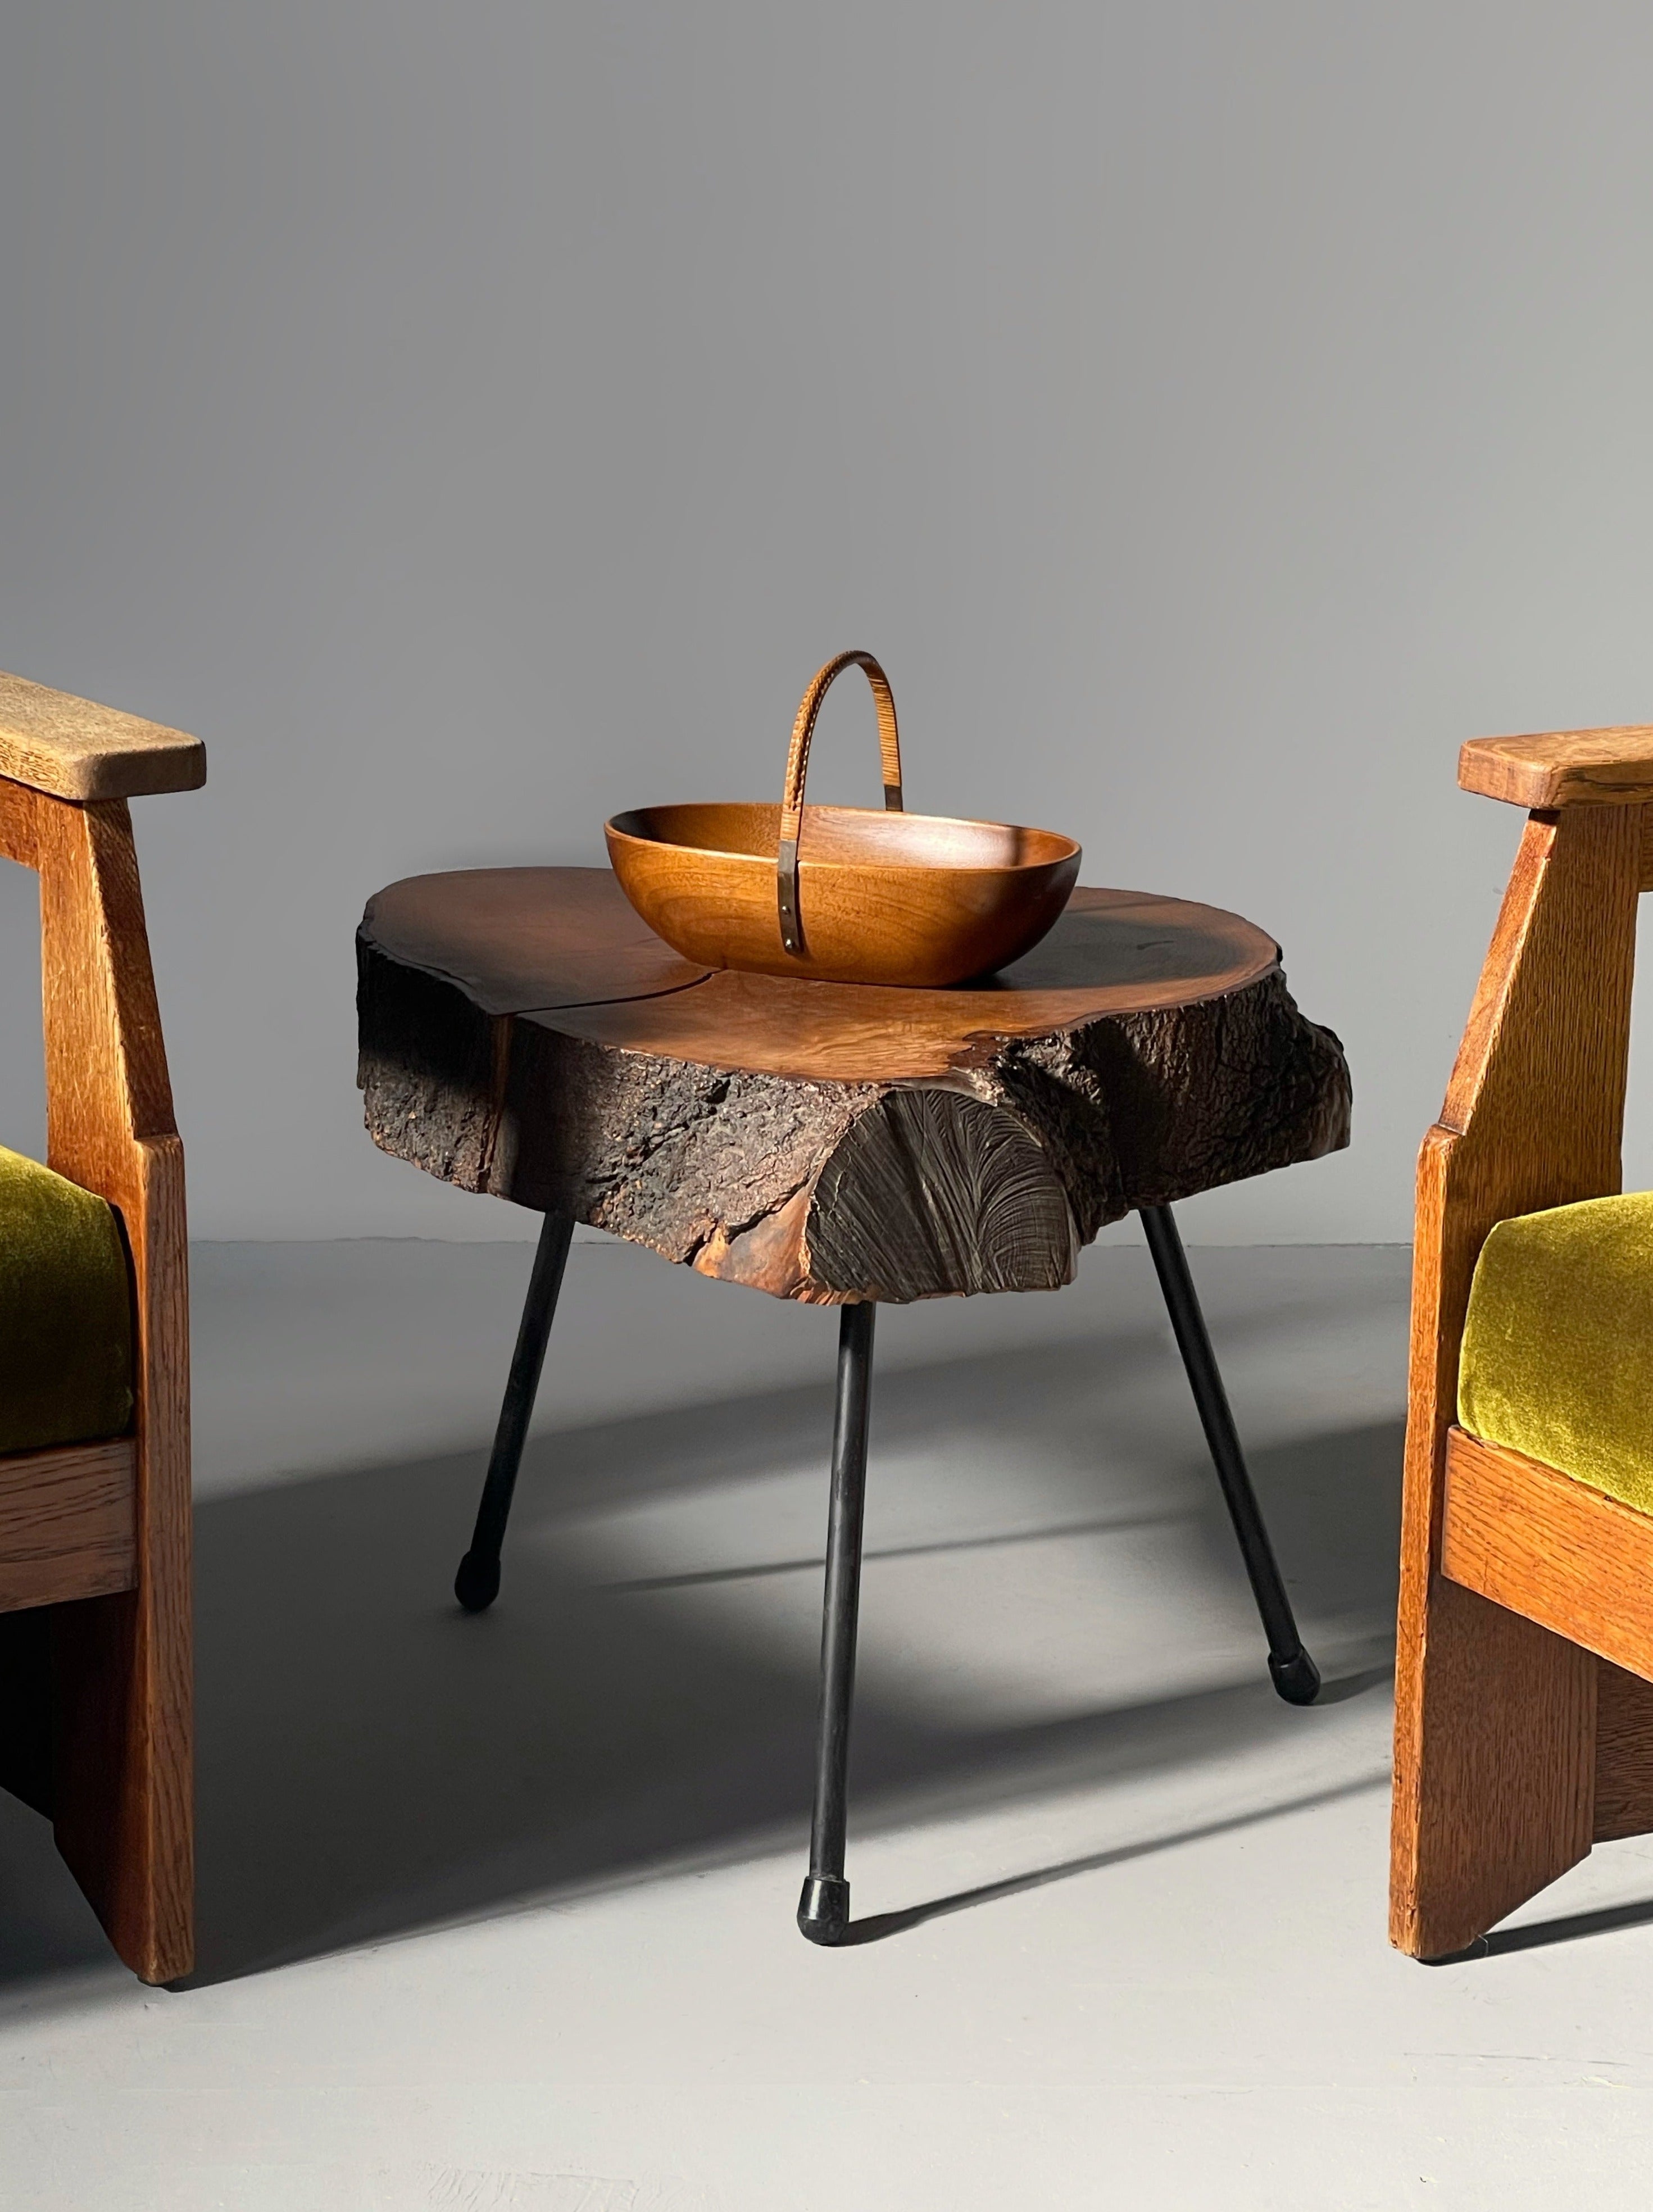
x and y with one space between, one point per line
913 899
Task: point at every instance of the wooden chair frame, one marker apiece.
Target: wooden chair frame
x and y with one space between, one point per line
100 1533
1524 1669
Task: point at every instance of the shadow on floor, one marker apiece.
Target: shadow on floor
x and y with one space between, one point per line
878 1925
372 1761
1539 1934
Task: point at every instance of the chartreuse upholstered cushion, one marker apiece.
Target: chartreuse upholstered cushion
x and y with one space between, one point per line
65 1312
1558 1348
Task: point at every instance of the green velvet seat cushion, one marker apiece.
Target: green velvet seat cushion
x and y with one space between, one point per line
1558 1346
65 1312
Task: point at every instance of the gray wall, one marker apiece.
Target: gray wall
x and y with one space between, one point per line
473 420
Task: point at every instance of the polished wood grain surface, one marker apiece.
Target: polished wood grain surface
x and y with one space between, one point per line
512 938
564 942
1551 1549
67 1523
77 749
1111 953
1494 1724
1563 767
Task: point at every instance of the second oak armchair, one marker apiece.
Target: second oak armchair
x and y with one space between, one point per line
1524 1674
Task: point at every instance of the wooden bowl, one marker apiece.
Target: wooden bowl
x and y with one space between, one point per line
884 898
842 894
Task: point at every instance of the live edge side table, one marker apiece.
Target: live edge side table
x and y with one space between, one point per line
523 1033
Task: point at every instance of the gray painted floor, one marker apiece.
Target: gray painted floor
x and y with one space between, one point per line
497 1912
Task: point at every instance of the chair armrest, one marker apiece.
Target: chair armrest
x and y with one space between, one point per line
76 750
1563 767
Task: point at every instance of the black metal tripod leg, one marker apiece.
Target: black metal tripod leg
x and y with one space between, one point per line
824 1908
477 1582
1295 1673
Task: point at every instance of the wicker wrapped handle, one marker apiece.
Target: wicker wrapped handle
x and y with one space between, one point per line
791 799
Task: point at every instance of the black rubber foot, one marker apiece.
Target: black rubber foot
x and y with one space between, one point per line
1297 1679
823 1909
477 1582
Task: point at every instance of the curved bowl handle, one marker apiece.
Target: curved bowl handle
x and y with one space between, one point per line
791 799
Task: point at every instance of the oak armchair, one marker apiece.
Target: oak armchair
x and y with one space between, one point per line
1524 1672
96 1665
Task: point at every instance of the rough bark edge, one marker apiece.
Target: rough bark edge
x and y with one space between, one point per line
721 1169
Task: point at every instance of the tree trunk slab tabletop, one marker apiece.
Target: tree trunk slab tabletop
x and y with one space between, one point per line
524 1033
